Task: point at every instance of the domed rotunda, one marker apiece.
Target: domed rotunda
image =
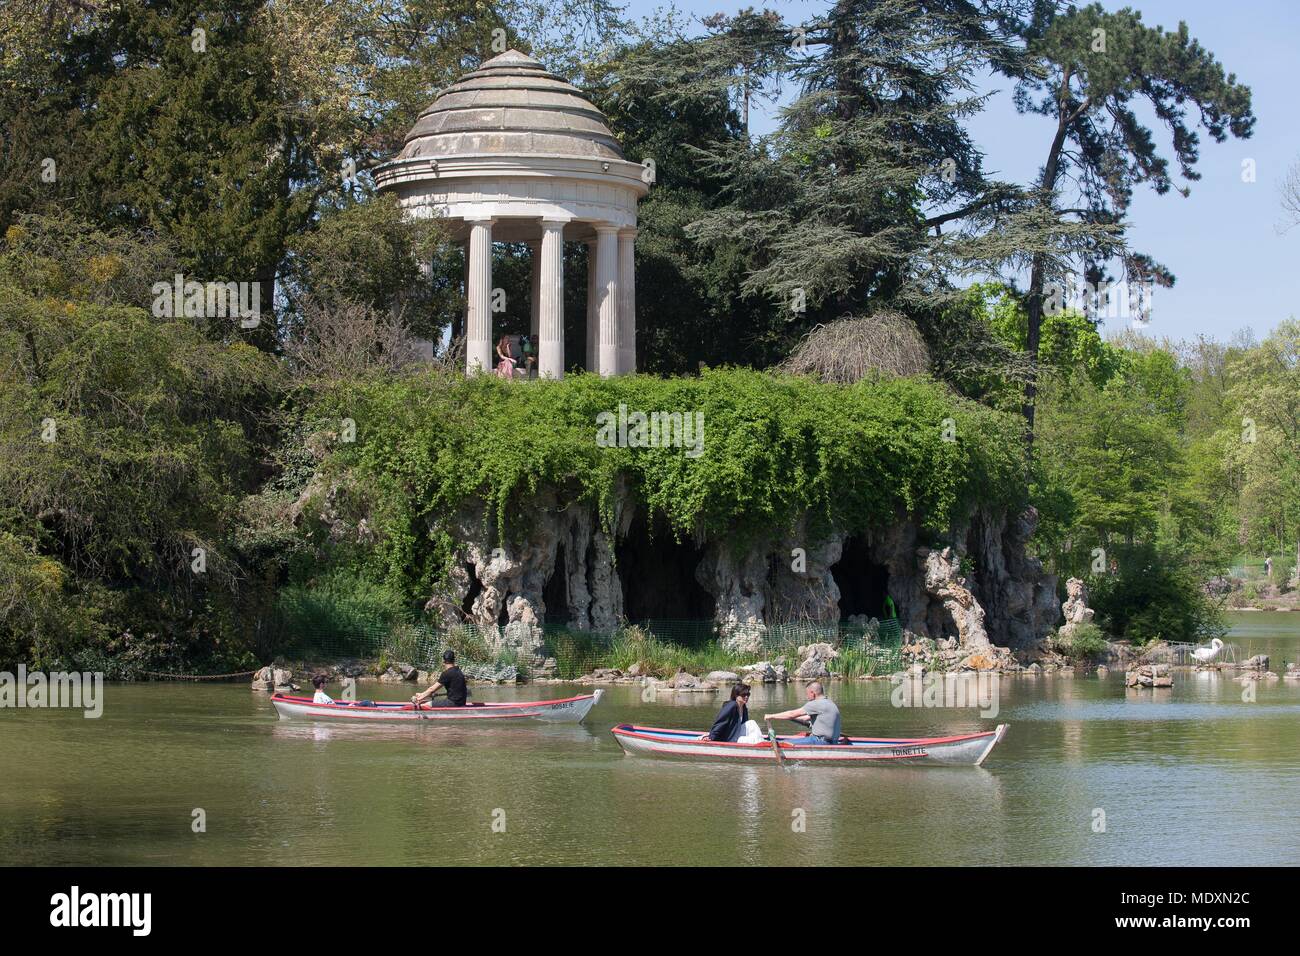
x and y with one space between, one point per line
514 153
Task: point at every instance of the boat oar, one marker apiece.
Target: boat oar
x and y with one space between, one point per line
416 703
776 746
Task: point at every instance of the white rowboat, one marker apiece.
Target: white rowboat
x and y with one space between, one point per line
961 749
568 710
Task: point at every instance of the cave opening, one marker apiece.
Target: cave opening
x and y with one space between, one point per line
981 540
863 581
658 574
475 589
555 593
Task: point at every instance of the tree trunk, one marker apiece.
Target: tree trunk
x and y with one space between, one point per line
263 335
1034 333
1038 276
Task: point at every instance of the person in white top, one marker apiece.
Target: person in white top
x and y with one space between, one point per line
321 697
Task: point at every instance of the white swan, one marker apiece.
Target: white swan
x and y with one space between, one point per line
1204 655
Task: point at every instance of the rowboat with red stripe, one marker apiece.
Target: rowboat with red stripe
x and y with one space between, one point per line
569 710
960 749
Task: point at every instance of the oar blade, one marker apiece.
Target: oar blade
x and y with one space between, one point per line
776 744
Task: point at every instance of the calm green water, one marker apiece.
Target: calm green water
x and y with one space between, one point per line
1191 776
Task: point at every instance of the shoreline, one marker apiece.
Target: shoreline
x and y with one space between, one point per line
300 674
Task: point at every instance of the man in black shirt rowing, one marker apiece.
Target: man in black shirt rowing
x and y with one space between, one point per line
451 680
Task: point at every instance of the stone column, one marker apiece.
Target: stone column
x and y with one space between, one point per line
478 326
462 323
550 280
536 294
626 301
593 309
607 293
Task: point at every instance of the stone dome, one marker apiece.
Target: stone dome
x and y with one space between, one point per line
513 106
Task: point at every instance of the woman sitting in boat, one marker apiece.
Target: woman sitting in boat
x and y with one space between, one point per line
451 680
732 725
320 697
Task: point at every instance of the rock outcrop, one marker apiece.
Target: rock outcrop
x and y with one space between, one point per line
944 582
1019 598
764 672
814 661
1149 675
277 679
783 580
499 587
1158 652
1004 599
1075 609
737 583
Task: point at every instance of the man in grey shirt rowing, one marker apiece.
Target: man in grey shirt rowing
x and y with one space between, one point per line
819 712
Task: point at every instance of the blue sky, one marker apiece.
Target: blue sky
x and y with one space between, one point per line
1234 269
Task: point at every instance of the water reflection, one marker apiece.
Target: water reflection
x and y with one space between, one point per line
750 812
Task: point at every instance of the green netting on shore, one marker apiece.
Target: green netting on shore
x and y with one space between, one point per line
660 647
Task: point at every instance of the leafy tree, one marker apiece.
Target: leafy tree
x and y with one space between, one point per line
1262 439
738 59
51 65
368 253
987 339
1120 496
228 127
1117 448
40 613
1149 597
830 210
125 444
825 217
1094 70
689 310
190 140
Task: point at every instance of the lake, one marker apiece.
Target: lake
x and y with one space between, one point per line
1192 775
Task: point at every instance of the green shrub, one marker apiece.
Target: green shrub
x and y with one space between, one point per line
664 659
1154 597
340 609
1085 642
40 619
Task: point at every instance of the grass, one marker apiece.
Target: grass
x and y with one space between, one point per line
577 653
341 611
580 652
867 661
663 659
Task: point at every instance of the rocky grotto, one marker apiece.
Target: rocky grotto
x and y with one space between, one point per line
975 586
